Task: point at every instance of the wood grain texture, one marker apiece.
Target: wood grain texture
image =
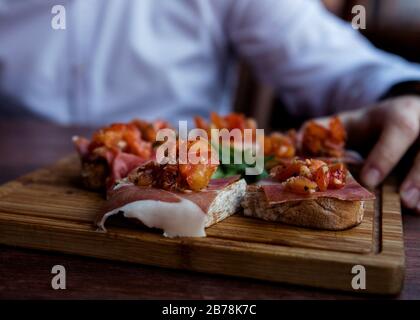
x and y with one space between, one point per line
49 210
26 273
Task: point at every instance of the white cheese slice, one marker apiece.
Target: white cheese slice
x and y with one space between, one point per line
177 219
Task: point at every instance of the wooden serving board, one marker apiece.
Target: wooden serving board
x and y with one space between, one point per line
49 210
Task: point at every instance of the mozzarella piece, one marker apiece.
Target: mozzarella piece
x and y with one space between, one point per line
177 219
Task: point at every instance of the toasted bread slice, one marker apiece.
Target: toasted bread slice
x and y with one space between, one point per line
178 214
94 174
321 213
226 203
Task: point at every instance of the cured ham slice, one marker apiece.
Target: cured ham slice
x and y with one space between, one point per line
276 193
104 167
114 150
121 164
179 214
82 146
333 209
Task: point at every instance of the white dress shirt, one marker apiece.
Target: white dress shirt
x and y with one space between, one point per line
119 59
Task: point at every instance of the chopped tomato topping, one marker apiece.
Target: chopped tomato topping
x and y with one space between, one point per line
338 175
279 145
217 121
337 132
301 185
235 121
315 164
149 130
285 171
198 173
124 137
197 176
229 122
322 175
193 175
318 140
296 167
201 123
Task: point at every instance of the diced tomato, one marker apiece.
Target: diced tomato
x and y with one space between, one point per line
338 175
198 174
328 141
217 121
310 175
313 137
282 146
315 164
251 123
124 137
322 177
300 185
149 129
268 146
337 131
235 121
279 145
200 123
285 171
161 124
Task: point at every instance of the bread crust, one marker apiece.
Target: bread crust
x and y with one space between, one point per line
322 213
227 202
94 174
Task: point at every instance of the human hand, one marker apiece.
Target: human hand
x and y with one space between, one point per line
397 124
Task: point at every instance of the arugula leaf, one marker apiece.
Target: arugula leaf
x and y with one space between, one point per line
231 169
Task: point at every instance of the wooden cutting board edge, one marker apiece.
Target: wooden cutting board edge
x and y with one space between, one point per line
384 270
309 267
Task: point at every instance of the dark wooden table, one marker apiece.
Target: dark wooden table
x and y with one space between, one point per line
29 144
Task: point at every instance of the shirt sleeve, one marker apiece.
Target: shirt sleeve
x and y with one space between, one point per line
317 63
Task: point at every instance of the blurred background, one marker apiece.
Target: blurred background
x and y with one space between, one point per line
392 25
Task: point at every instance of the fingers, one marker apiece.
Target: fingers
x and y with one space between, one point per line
410 189
361 126
401 129
357 128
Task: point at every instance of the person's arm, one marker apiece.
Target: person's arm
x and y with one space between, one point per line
396 123
317 63
320 65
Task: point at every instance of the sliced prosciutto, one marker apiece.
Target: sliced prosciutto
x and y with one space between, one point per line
276 192
82 146
179 214
119 163
114 150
